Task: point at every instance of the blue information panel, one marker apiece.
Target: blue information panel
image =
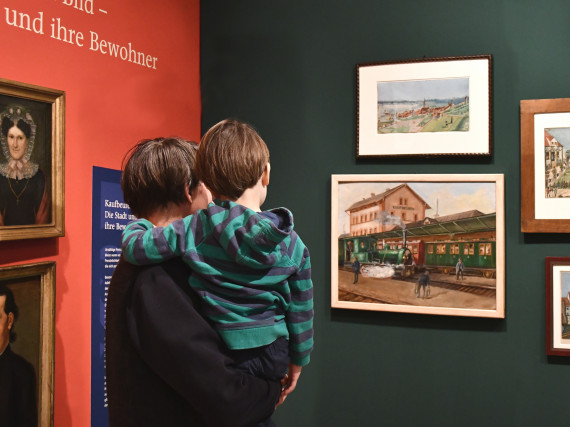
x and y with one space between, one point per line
110 216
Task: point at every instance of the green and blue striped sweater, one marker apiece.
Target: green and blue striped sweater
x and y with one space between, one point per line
251 270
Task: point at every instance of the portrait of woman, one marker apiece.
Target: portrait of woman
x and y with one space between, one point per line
24 198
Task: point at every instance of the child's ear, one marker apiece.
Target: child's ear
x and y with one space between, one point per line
265 176
188 195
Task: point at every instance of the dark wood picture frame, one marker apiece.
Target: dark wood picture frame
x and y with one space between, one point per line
530 110
44 108
404 85
555 266
33 286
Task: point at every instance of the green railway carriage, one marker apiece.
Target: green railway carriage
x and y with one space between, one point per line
359 247
477 255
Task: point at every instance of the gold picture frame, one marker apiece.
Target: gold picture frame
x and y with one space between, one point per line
32 202
33 287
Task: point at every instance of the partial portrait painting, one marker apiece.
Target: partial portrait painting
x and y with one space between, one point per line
31 161
26 344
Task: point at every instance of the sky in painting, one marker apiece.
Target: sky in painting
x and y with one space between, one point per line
447 197
416 90
562 135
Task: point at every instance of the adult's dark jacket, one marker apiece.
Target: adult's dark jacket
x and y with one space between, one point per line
166 366
17 391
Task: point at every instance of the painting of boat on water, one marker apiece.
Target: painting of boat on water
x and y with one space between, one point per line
425 107
435 105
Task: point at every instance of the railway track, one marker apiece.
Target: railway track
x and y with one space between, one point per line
344 295
484 291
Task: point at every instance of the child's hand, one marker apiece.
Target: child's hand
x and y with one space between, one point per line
290 381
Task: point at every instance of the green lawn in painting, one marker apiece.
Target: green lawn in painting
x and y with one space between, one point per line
446 124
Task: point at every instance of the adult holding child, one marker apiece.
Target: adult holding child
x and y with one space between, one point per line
250 268
165 364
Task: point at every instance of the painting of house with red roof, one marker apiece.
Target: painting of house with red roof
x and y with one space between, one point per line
557 162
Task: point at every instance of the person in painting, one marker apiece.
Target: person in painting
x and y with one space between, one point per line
165 364
423 285
17 375
356 269
459 267
23 195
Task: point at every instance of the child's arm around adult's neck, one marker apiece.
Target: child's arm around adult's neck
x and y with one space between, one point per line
142 243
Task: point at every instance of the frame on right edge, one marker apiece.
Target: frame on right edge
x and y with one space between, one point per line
558 306
545 174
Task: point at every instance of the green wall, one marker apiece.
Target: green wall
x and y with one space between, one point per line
289 68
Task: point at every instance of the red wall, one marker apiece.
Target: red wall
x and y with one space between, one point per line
110 104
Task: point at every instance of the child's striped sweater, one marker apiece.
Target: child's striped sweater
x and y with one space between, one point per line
251 269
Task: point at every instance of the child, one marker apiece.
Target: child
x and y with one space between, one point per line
250 268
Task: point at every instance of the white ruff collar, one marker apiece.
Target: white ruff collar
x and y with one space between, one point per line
18 169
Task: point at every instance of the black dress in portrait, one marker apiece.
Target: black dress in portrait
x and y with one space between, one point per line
17 391
20 199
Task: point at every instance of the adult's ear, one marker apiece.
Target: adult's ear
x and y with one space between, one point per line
265 176
10 320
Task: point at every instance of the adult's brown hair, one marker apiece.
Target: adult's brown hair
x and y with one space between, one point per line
231 158
157 172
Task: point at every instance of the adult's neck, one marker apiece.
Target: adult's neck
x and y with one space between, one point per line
164 216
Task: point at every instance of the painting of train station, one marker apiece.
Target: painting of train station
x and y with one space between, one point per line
426 245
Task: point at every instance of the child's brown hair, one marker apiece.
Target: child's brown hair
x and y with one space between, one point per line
231 158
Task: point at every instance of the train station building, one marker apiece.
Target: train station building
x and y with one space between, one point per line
396 206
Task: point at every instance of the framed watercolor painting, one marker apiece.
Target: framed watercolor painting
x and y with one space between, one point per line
28 293
558 306
31 161
545 162
429 244
425 107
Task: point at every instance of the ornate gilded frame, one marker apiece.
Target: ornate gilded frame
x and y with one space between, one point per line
53 102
